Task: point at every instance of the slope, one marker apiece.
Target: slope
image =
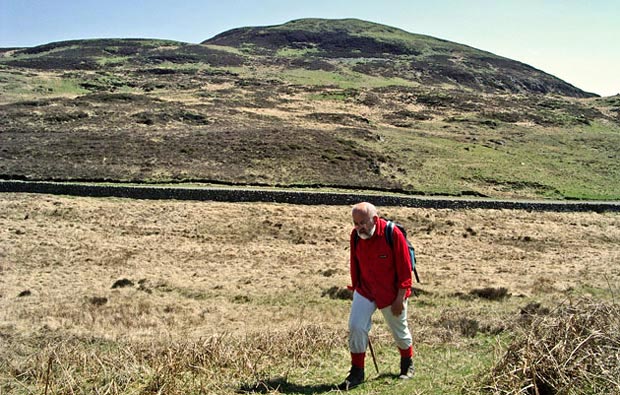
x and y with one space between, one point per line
278 107
375 49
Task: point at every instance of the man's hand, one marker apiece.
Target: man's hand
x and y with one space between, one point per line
398 305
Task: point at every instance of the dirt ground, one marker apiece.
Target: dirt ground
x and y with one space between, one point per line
201 268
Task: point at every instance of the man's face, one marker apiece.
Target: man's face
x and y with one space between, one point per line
364 225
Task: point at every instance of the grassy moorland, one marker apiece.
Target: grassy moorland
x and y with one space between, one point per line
311 103
112 296
133 297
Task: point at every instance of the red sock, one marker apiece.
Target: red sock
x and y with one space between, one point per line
407 353
357 359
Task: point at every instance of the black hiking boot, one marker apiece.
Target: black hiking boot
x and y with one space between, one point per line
355 378
407 369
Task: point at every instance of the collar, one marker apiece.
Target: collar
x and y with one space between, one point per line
380 227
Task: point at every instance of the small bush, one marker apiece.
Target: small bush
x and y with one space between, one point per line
123 282
491 293
98 300
338 293
466 326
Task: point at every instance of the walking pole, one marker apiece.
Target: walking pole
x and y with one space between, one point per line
372 352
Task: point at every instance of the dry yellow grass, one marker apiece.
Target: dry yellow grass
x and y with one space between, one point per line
573 350
206 270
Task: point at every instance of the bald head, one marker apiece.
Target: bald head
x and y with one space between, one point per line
365 208
364 219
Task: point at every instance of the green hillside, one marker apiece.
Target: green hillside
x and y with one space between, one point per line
313 103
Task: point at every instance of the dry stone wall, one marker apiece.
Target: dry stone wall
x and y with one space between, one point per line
293 197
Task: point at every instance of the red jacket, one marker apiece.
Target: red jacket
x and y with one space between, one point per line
378 270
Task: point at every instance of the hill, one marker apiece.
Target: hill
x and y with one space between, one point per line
313 103
379 50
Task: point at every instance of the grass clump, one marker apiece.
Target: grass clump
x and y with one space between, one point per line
573 350
218 364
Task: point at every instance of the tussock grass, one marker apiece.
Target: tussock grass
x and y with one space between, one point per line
491 293
216 364
573 350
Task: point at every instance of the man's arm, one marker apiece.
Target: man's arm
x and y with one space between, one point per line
353 265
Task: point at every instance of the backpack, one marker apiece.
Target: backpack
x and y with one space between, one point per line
389 231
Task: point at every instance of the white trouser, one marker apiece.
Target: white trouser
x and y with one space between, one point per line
360 322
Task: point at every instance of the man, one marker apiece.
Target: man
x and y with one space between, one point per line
381 278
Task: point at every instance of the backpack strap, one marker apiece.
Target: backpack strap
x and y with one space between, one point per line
389 232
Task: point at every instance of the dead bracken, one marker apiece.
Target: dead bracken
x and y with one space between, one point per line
573 350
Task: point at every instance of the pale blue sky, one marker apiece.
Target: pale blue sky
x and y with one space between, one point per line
575 40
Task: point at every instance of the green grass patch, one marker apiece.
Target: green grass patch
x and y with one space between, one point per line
609 293
113 60
51 51
340 95
448 369
343 79
19 86
62 86
440 369
577 163
296 52
223 48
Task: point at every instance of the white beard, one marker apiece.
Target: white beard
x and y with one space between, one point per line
364 236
